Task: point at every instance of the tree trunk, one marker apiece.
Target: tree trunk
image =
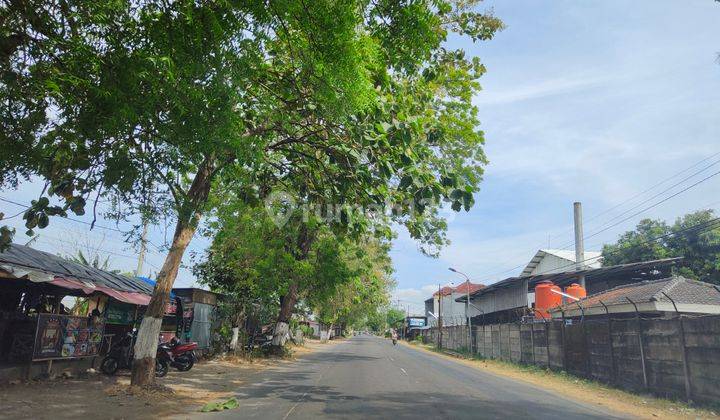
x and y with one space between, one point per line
143 368
235 337
287 305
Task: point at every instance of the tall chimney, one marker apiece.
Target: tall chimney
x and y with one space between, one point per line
579 245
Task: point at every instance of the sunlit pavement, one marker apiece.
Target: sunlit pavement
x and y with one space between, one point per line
368 377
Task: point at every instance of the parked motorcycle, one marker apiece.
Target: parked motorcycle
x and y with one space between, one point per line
121 355
180 356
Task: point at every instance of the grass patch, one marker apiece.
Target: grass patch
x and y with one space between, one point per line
591 391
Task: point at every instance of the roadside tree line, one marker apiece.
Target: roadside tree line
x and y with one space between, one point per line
166 109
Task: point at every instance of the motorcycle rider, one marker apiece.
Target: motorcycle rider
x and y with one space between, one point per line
394 336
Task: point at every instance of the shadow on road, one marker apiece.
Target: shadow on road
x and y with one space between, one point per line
444 405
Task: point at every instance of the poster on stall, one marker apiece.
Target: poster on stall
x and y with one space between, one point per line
120 313
66 337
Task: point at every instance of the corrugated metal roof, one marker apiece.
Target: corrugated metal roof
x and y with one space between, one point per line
571 276
29 258
679 289
591 260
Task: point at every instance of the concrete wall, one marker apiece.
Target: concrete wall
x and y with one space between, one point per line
655 355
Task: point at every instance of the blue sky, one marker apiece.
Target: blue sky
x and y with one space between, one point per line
583 101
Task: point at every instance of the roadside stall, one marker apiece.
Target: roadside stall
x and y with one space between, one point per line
198 308
37 329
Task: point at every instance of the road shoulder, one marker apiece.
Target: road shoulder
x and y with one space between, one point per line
588 392
180 393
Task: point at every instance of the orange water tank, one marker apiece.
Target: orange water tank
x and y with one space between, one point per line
576 290
545 298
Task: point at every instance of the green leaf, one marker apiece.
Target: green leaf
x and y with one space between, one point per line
405 182
220 406
43 221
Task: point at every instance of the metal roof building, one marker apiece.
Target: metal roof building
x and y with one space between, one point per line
510 299
673 294
558 260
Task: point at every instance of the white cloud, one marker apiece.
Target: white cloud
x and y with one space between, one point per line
539 89
414 298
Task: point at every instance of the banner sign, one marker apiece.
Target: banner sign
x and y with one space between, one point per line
416 322
67 337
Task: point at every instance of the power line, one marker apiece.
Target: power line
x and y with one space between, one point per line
654 205
656 196
711 224
639 212
708 205
68 218
95 248
88 224
566 245
594 217
157 247
700 227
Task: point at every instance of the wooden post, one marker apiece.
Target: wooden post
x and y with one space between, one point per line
547 343
509 343
56 310
640 342
532 340
686 366
683 349
520 340
610 344
562 341
586 348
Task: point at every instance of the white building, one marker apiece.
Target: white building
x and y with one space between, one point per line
453 313
550 261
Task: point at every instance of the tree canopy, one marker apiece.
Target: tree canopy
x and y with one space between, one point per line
695 237
156 104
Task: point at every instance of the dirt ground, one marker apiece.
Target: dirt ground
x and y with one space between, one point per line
110 396
640 406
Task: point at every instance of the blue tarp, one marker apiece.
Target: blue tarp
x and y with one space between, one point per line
152 282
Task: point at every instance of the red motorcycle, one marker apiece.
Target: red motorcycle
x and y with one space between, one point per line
180 356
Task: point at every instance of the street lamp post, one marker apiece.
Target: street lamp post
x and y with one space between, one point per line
440 334
467 306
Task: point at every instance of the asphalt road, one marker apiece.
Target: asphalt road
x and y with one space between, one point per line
367 377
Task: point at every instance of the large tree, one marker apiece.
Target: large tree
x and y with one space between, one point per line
695 237
150 103
340 278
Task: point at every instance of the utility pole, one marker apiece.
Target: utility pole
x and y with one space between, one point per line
143 249
467 307
579 245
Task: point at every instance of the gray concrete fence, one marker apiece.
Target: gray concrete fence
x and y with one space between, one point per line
675 358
